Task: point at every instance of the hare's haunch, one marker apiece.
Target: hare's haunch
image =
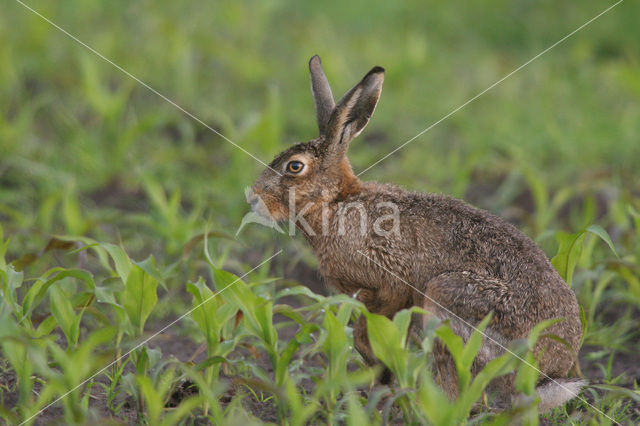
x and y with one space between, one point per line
372 238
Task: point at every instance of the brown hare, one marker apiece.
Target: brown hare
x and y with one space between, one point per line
464 262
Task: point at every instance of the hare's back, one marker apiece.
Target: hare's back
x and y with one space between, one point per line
448 234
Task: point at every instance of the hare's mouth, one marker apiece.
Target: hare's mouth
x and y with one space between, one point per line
259 213
258 206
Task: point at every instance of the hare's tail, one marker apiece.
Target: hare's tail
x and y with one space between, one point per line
556 392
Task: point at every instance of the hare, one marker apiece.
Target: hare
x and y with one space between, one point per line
457 262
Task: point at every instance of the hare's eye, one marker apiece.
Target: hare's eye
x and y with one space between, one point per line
295 167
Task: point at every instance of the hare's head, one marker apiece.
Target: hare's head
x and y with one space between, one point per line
319 170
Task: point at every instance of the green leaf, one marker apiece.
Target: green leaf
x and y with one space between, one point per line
196 239
186 408
456 347
463 356
298 290
10 280
46 327
569 251
344 313
402 320
387 343
473 345
209 362
282 364
494 368
4 245
152 398
258 312
600 232
139 297
534 334
106 293
289 312
145 358
63 312
72 213
336 346
433 403
527 376
210 312
38 290
356 414
17 354
120 260
149 266
452 340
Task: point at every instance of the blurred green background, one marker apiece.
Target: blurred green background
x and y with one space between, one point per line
87 150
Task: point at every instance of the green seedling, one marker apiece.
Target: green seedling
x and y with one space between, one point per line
212 313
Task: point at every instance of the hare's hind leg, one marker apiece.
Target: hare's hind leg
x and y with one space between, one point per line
464 299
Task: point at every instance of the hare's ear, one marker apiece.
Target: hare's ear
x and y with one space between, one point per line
322 96
353 112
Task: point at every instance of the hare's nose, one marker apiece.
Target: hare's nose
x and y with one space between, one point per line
254 202
252 198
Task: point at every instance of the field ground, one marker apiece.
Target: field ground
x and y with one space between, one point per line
118 213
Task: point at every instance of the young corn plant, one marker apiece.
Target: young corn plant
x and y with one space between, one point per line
337 348
571 248
20 340
420 397
389 343
212 314
257 319
138 300
15 348
131 292
156 390
14 345
168 219
65 373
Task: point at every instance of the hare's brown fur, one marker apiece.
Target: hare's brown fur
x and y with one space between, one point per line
463 262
